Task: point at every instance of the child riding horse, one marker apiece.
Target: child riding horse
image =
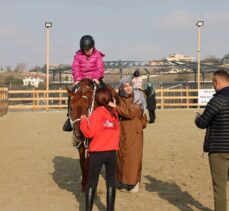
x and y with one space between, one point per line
82 103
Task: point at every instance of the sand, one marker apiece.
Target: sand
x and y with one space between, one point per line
40 168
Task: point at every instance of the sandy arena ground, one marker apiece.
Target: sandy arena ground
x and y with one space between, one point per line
40 168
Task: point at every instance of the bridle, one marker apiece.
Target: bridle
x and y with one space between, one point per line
90 109
77 120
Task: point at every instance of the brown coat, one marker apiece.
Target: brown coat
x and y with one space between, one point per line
131 143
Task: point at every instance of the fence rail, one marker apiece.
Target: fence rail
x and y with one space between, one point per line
177 98
57 99
37 99
3 101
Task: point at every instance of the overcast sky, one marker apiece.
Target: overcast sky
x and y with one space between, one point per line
122 29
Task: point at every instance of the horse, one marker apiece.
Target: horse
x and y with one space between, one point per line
82 102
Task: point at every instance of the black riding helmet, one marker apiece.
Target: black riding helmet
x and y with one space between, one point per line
136 73
87 42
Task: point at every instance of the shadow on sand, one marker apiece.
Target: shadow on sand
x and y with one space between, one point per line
67 175
173 194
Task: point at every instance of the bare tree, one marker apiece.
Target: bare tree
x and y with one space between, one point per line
20 67
8 68
211 59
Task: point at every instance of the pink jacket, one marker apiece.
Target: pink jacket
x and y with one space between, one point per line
91 67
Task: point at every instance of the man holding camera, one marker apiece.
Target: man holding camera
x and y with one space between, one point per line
215 119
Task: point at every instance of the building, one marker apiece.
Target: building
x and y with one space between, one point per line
33 81
156 62
179 58
226 61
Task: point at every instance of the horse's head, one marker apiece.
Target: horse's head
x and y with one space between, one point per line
80 102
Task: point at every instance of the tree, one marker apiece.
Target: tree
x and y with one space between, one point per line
20 67
13 81
43 69
8 68
212 59
41 86
36 69
226 56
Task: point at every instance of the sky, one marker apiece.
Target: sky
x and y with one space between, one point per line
140 30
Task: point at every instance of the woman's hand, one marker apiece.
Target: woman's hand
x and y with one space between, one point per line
112 105
75 83
96 81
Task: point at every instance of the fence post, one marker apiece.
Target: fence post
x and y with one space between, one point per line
187 99
162 97
33 99
60 99
37 97
47 100
3 101
7 98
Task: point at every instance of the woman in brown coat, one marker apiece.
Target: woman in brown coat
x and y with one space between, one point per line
130 110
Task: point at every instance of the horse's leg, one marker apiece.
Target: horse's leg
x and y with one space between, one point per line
84 168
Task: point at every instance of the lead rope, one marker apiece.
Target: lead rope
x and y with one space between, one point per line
86 141
93 102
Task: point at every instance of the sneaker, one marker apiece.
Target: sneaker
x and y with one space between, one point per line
135 189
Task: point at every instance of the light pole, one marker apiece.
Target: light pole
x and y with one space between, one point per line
47 26
199 25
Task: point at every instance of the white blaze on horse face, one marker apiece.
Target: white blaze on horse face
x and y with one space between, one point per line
84 96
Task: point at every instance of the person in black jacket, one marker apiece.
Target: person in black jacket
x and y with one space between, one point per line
151 102
215 119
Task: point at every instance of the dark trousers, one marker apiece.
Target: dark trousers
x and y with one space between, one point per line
96 160
151 115
219 166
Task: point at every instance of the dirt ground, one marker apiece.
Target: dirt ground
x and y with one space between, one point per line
40 168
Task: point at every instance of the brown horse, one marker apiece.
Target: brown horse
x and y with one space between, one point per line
81 103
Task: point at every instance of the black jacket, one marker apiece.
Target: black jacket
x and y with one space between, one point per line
150 98
215 119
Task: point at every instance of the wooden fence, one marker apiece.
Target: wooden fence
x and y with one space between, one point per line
3 101
37 99
177 98
57 99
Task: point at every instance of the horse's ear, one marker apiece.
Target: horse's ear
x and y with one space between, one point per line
70 93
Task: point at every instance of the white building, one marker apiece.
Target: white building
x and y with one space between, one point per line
179 58
32 81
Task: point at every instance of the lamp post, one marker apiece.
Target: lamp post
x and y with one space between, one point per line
199 25
47 26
